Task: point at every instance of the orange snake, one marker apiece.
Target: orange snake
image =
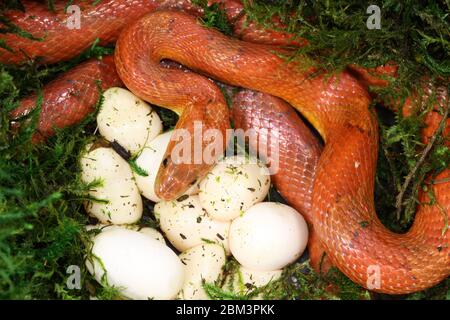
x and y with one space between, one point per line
342 208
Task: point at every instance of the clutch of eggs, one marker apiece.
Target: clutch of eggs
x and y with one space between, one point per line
224 213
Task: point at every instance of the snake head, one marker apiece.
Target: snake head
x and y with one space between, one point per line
175 179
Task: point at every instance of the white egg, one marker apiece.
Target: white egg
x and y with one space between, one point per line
127 119
247 280
203 263
149 160
117 188
233 186
141 267
152 233
186 224
268 236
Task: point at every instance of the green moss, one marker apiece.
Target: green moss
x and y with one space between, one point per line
298 281
41 196
214 17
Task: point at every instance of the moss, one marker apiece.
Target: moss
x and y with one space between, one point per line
298 281
42 228
214 17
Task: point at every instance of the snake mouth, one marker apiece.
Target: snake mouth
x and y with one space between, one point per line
174 179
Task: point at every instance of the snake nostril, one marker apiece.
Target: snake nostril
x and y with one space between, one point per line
165 162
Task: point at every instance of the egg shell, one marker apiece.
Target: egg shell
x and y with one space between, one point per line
152 233
268 236
127 119
150 160
202 263
141 267
117 187
234 185
186 224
